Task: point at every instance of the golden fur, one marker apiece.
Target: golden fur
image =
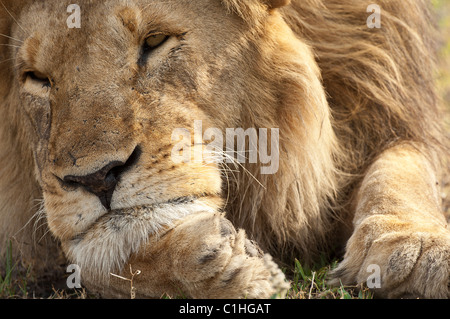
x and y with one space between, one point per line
358 148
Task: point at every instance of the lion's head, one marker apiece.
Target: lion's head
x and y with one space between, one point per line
95 108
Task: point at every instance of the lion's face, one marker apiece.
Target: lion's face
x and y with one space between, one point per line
102 102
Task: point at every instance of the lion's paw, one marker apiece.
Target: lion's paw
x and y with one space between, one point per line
399 264
277 278
220 262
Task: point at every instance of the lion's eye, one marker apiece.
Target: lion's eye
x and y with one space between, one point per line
39 78
154 41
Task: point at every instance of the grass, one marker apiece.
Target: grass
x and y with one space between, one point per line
12 286
312 284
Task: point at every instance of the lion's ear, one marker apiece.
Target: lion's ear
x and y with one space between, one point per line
273 4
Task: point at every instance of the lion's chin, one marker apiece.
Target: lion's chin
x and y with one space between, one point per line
108 244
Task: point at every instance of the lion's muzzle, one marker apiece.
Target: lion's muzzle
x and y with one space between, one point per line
103 182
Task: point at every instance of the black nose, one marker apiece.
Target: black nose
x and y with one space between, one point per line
103 182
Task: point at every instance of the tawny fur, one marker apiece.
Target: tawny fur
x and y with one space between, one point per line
349 101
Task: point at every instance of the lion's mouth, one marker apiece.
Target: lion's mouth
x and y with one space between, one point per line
110 241
156 216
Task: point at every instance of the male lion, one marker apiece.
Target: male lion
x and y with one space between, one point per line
88 116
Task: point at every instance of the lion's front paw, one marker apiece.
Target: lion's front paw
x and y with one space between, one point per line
404 264
216 261
277 278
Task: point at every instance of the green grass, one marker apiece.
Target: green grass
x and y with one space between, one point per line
309 283
11 285
18 283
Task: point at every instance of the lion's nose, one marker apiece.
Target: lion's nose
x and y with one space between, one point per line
103 182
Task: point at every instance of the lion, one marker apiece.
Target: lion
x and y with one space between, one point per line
87 145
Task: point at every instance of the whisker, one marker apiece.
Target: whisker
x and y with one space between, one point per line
13 17
10 45
9 37
29 220
7 60
237 164
43 236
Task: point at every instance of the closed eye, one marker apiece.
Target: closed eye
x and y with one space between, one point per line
38 78
154 41
151 44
